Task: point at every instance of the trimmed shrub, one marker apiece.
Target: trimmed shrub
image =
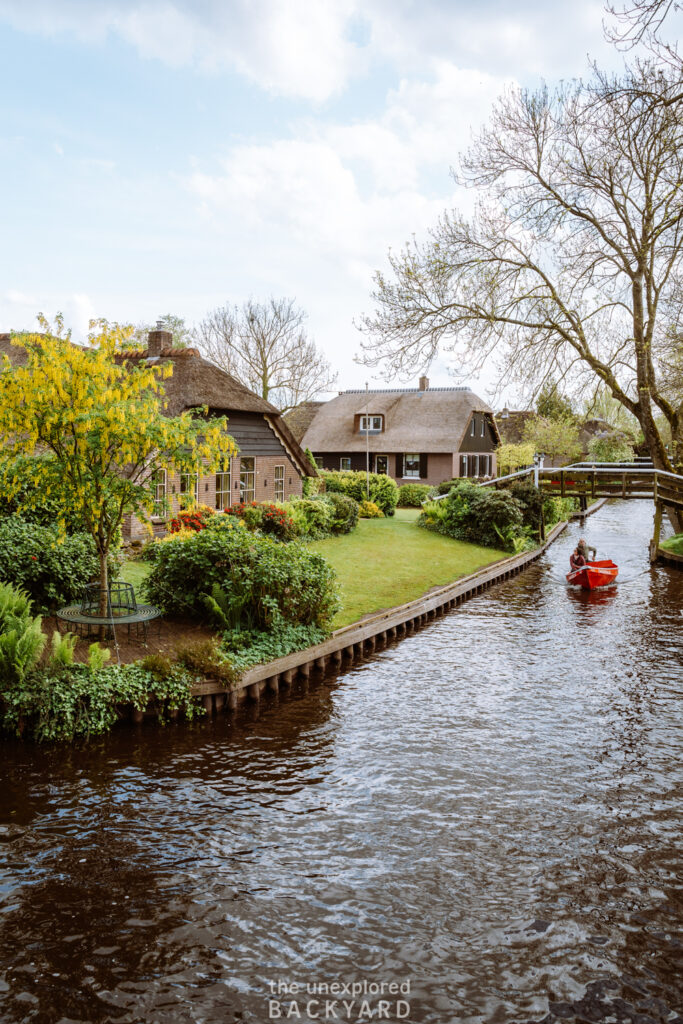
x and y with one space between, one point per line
312 516
265 582
412 495
383 489
447 485
52 569
530 500
369 510
344 512
479 515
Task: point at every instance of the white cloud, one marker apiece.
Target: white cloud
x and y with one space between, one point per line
313 48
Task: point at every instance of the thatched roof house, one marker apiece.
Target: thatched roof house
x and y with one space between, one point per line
414 434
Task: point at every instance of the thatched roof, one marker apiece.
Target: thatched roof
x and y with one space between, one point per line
300 418
431 420
17 355
511 423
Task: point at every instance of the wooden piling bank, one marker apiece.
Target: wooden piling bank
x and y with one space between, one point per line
352 644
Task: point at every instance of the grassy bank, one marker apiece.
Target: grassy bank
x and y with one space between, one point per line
386 562
674 544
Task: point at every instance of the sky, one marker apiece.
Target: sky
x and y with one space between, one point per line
172 156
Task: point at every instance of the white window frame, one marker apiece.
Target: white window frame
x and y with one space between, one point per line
244 491
279 481
224 489
187 488
473 428
160 484
370 427
463 465
413 474
483 426
342 460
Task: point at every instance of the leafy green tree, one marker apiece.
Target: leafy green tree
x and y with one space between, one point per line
552 404
558 439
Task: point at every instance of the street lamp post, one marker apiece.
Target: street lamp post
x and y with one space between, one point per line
367 444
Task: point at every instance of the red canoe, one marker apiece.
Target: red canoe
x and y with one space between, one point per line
594 574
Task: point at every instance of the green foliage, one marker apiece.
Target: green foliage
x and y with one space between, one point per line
245 648
30 502
613 448
552 404
557 509
205 660
97 657
383 489
21 637
556 438
370 510
511 457
51 568
674 544
272 581
412 495
312 517
62 649
63 702
480 515
446 486
344 512
530 500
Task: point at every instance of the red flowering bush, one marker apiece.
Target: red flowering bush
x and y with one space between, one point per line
265 516
192 519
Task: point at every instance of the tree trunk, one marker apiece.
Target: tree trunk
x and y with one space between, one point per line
104 591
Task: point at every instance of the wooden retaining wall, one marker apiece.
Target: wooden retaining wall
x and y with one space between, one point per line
670 557
359 640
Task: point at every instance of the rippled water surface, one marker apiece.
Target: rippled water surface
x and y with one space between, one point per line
488 810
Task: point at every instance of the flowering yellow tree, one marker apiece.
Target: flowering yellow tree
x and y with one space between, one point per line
96 420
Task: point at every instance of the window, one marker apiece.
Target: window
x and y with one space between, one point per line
189 490
223 492
345 463
159 488
473 427
483 427
371 424
247 479
382 464
411 465
279 483
463 465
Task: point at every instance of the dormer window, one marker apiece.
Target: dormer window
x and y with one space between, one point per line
473 428
371 424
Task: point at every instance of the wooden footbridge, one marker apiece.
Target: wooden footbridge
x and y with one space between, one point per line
591 481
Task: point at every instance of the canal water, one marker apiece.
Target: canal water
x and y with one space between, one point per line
483 820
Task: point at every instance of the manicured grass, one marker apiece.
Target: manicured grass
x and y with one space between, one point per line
387 562
135 573
674 544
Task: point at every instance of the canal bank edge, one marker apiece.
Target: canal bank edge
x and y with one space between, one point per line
355 641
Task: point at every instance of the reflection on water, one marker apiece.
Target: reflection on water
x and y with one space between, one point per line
488 809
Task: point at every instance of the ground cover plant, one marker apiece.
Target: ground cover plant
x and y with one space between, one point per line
674 544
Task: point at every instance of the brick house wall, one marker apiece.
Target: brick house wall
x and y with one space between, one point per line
135 529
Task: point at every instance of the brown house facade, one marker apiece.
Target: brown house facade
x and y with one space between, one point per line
270 465
421 435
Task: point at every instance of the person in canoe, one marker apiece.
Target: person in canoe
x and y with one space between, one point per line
580 554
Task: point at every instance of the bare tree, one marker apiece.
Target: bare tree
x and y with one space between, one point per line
639 20
266 347
575 245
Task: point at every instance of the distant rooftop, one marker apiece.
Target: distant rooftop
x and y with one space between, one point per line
397 391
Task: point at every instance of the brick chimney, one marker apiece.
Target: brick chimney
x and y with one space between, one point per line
424 383
158 340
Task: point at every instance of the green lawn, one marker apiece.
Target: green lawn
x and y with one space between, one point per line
135 573
384 562
387 562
